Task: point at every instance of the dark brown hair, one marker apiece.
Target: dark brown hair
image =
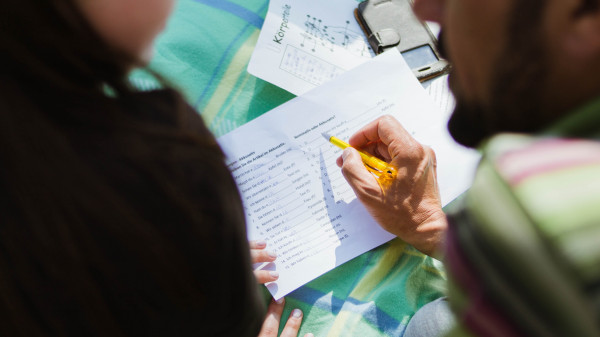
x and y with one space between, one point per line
117 213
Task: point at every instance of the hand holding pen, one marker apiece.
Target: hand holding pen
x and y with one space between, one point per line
382 170
408 204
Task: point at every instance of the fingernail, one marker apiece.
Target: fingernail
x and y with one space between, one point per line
279 301
345 154
274 274
296 313
261 243
272 254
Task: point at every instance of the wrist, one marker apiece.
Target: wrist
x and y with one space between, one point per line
428 237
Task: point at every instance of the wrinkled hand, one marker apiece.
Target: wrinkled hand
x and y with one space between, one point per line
408 206
258 254
271 325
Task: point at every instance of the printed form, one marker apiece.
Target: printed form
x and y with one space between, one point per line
304 43
295 196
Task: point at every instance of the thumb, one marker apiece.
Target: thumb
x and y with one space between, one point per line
355 171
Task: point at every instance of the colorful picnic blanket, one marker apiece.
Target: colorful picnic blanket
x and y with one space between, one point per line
204 52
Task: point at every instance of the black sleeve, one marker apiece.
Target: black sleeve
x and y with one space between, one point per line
187 270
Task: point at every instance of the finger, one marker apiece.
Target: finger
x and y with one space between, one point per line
257 244
270 326
264 276
258 255
400 143
384 137
360 179
432 157
339 161
365 135
372 132
377 149
433 171
293 324
390 129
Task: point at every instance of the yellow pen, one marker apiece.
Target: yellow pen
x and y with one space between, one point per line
370 161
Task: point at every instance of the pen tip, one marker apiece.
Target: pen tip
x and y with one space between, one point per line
326 135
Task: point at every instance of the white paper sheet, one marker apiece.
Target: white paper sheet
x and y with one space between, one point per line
296 197
439 91
304 43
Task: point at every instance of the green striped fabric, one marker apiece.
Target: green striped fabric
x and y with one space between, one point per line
536 207
204 52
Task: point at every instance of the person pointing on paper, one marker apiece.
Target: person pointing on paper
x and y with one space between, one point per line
526 79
